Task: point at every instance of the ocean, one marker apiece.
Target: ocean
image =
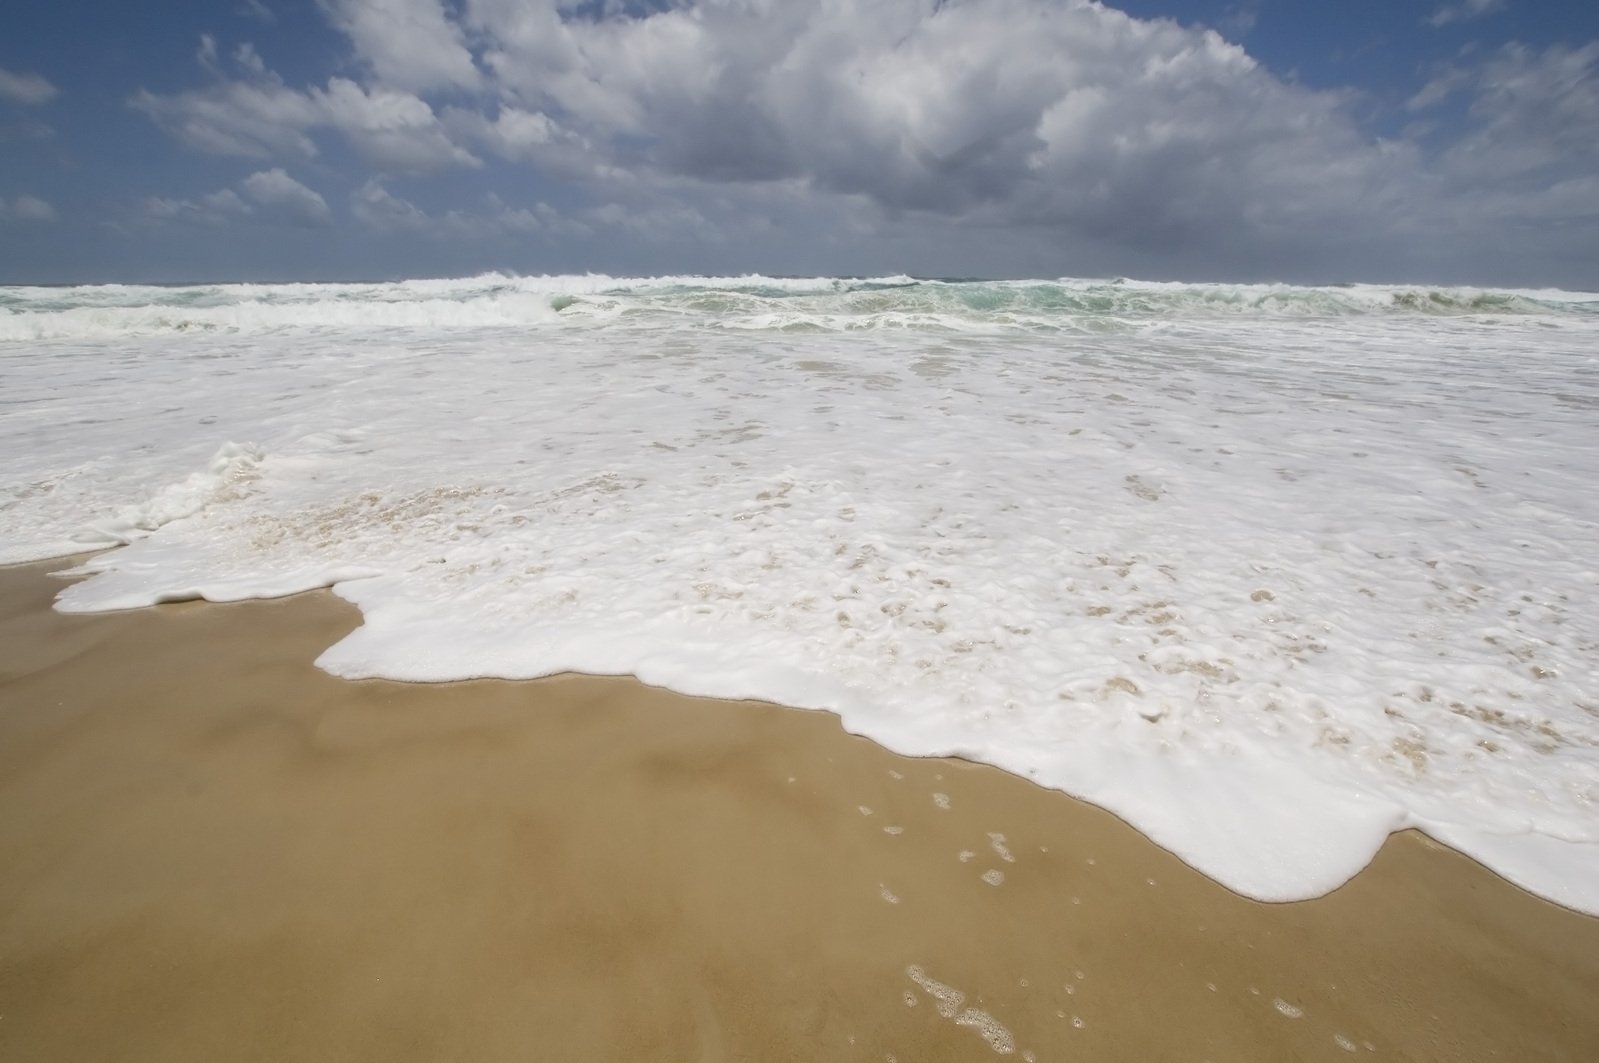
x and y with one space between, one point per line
1267 571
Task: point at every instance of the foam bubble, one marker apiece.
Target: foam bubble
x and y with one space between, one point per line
989 1029
948 1001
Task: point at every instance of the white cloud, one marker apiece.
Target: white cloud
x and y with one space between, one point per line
32 208
245 59
212 209
25 89
394 130
255 115
530 137
26 208
206 55
656 224
1098 138
1020 112
269 195
378 208
540 218
1464 11
1001 111
513 133
383 211
1536 113
248 61
257 10
259 118
409 44
1239 19
282 195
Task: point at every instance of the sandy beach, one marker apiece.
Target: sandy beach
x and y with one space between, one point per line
211 850
846 530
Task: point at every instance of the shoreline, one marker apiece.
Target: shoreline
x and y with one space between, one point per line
215 850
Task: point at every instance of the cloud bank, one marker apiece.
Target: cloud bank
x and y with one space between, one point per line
1060 122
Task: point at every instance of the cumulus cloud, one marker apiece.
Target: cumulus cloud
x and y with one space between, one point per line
1148 141
381 210
1011 112
1001 111
253 114
394 130
25 89
541 218
212 209
410 44
532 137
1536 113
1464 11
378 208
657 224
268 195
283 196
244 58
26 208
251 118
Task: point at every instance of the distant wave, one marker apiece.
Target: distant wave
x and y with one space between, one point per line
496 300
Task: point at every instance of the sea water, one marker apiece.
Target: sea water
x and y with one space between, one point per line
1268 571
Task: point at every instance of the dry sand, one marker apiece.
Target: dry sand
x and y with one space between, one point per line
209 850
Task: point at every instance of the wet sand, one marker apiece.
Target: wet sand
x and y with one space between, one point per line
211 850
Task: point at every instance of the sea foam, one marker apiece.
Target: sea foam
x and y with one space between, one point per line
1268 571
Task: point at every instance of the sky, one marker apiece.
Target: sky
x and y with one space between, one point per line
1406 141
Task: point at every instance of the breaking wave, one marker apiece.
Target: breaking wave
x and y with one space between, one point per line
751 302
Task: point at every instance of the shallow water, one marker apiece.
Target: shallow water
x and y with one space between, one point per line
1269 572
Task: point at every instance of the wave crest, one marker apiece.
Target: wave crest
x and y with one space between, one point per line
496 300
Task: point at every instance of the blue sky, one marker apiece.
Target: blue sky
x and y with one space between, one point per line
1385 140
